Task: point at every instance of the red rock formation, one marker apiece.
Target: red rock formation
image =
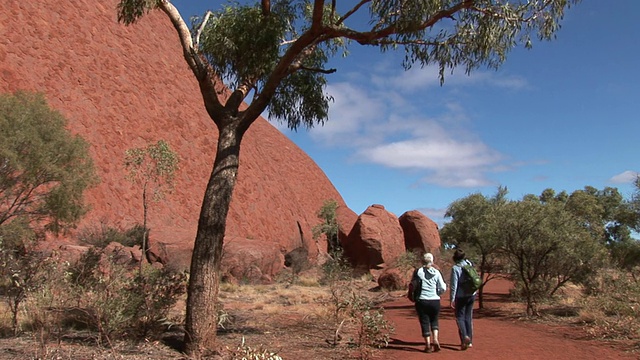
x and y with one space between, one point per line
376 239
122 87
420 233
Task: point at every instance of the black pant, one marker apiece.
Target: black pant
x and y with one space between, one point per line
428 311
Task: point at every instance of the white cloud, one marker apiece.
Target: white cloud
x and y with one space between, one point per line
436 215
430 153
627 177
387 118
418 78
352 108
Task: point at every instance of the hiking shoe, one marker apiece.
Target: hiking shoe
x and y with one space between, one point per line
428 349
436 346
465 343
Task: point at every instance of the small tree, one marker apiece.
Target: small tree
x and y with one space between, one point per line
18 266
44 170
329 226
546 246
153 167
471 228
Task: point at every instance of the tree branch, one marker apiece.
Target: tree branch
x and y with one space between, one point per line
323 71
373 37
207 79
352 11
266 8
206 18
317 16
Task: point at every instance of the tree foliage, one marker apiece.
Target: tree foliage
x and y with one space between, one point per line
44 168
329 226
44 171
471 227
625 250
546 240
546 247
275 53
153 167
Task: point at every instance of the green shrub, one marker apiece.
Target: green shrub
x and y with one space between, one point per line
116 301
356 314
103 235
157 291
336 269
408 261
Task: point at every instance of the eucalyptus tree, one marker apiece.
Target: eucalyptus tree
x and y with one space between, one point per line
546 246
274 55
153 167
472 227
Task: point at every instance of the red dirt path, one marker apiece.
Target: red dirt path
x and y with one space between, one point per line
496 335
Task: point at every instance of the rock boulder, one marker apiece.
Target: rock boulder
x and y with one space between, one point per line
376 239
420 233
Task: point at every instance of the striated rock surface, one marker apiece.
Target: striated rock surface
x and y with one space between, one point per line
122 87
376 239
420 233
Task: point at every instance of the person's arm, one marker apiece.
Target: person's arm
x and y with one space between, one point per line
454 286
441 284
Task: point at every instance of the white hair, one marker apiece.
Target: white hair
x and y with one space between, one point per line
428 259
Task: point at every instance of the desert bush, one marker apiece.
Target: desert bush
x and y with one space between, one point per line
297 261
158 291
116 301
335 269
329 227
407 261
23 269
41 317
612 309
351 308
372 329
103 235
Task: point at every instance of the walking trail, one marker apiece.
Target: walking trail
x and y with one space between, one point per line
497 335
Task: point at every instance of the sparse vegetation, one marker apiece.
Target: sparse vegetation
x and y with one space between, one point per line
98 293
329 227
103 235
612 309
152 167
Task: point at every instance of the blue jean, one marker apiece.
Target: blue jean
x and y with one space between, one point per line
464 316
428 311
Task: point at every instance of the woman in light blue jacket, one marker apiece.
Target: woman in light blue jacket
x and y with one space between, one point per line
462 300
428 303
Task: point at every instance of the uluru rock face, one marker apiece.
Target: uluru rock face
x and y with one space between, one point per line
123 87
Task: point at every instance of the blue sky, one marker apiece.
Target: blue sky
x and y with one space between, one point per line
562 115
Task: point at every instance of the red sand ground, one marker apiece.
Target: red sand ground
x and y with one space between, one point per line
496 336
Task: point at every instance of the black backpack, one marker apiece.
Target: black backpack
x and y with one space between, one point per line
415 287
